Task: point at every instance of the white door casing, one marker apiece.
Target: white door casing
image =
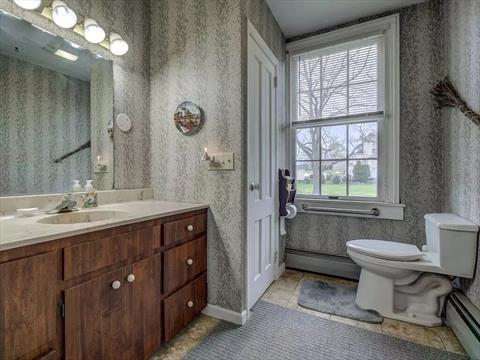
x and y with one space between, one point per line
262 239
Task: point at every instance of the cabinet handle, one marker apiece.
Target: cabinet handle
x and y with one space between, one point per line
190 303
189 262
131 278
190 227
116 285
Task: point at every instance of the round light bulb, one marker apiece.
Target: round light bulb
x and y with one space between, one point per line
92 32
28 4
118 46
62 15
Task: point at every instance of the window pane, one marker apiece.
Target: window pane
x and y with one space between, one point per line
363 178
362 140
309 105
334 69
334 142
308 177
363 64
334 102
334 182
363 98
308 144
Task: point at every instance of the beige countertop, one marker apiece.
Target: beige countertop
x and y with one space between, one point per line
17 231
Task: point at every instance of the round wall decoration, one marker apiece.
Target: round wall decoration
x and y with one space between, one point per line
188 118
123 122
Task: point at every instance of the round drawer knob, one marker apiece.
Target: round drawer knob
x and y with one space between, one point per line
131 278
190 304
116 284
190 227
189 262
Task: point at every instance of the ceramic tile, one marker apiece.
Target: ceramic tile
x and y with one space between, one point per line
412 332
278 295
449 339
360 324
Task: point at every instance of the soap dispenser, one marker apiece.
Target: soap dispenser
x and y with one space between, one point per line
89 199
76 186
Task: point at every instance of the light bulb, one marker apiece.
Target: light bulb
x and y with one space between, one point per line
118 46
28 4
62 15
92 32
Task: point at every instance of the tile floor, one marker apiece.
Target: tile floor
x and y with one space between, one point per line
284 292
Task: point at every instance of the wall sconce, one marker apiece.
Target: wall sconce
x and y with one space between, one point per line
92 32
28 4
219 161
100 167
118 46
62 15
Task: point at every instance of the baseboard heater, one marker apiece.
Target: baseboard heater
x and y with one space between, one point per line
334 265
464 318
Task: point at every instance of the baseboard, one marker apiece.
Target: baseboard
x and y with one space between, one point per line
322 263
464 319
221 313
280 270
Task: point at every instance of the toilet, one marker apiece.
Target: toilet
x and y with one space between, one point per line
401 282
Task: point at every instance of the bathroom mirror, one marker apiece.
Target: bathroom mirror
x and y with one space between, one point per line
56 109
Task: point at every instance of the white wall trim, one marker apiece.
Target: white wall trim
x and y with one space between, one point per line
221 313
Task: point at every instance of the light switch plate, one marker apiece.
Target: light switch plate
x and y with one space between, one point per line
221 161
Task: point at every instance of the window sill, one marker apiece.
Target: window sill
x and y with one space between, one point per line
343 207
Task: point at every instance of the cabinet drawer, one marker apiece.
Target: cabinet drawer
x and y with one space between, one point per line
184 229
183 263
184 305
93 255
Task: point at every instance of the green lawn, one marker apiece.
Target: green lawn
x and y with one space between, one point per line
366 190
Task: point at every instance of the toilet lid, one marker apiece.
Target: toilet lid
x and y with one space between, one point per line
386 249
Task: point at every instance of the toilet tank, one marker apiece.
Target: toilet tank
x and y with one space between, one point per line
455 241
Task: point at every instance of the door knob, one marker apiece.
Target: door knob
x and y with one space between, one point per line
116 285
190 227
254 186
131 278
190 262
190 304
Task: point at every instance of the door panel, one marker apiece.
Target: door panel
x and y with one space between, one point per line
261 169
141 315
93 319
29 307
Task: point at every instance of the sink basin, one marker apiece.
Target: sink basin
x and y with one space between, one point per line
83 216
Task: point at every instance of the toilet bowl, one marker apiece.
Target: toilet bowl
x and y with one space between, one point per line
401 282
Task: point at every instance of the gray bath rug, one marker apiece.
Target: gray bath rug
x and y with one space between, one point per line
277 333
336 300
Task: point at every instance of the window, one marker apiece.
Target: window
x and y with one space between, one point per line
344 113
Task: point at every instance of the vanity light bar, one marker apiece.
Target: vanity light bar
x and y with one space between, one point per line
65 17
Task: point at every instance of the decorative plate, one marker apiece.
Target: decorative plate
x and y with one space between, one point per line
188 118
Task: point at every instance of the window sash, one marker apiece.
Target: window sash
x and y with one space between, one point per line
376 118
295 91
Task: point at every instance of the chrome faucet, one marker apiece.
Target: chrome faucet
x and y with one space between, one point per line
67 205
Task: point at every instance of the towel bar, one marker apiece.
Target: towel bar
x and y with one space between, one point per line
371 212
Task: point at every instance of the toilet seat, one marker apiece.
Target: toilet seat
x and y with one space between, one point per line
387 250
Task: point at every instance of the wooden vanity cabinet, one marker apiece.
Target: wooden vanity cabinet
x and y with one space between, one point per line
113 294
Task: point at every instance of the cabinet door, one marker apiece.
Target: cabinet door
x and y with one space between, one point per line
141 319
93 318
28 306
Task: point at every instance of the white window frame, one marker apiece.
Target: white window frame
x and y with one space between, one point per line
388 201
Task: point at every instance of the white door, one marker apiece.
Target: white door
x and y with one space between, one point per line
262 209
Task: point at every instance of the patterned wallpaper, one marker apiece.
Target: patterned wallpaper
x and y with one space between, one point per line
202 59
420 148
43 115
461 136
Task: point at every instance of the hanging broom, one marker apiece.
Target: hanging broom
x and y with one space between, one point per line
445 95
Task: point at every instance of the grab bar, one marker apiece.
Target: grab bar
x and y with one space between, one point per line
371 212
